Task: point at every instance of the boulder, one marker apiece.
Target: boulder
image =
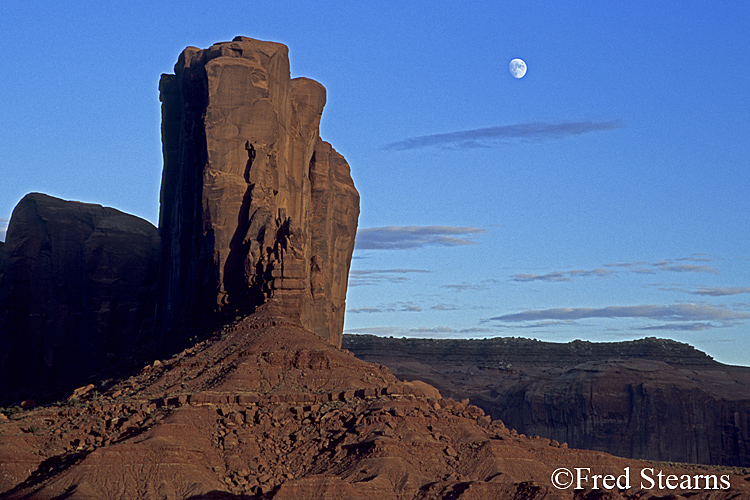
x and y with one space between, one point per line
76 293
255 207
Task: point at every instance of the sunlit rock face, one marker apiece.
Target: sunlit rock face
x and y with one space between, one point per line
255 207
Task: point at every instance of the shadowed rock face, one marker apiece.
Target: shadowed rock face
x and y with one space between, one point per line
654 399
76 293
255 207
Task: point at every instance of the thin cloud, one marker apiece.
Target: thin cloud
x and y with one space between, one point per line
504 134
669 265
637 267
410 237
562 275
364 272
357 310
387 308
3 227
421 332
462 287
721 292
675 312
364 277
627 265
539 324
686 268
698 257
681 327
445 307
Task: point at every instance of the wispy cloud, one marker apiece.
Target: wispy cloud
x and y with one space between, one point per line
503 134
563 275
685 268
363 277
669 265
410 237
421 332
681 327
462 287
721 292
3 227
675 312
638 267
445 307
395 307
698 257
539 324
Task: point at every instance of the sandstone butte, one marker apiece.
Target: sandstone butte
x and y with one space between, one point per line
254 205
269 406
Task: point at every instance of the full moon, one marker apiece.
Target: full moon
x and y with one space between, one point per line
517 68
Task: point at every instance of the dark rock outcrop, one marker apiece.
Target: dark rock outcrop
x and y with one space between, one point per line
255 207
652 398
76 294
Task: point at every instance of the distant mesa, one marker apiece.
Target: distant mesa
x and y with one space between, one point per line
650 399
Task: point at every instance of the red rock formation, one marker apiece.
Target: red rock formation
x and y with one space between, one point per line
254 206
76 293
650 399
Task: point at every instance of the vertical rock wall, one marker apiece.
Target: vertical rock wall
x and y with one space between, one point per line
255 207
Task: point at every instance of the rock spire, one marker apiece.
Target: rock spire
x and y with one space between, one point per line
255 207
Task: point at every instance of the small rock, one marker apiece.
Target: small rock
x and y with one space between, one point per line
264 478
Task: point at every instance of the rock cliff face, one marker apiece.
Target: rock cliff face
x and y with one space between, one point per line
255 207
76 293
653 399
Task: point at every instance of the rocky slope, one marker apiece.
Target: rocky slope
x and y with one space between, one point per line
76 294
266 409
254 205
651 399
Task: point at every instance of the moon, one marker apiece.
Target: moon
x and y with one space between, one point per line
517 68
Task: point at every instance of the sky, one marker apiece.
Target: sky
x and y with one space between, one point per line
603 196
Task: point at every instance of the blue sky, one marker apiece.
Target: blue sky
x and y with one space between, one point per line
603 196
